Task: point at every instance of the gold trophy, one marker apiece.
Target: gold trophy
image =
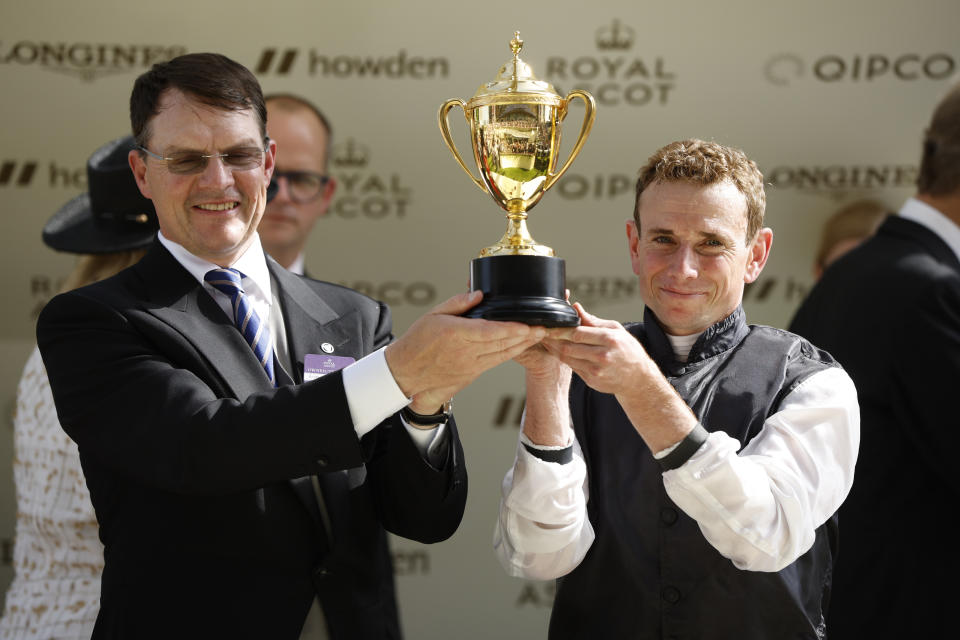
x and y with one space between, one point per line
515 133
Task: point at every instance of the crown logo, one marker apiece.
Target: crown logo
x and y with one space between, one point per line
616 36
350 154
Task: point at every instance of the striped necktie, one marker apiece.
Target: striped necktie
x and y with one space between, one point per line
253 330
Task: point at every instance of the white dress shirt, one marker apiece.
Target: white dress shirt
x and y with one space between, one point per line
760 508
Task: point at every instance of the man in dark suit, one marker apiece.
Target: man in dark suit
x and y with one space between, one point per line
889 311
238 497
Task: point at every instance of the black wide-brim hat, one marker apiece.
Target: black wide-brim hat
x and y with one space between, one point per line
112 216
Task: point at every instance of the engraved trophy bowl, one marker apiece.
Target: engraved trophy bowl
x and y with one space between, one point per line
515 127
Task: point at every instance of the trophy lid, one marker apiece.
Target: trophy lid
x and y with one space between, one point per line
515 83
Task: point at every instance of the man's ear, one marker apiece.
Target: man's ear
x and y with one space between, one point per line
633 243
270 160
759 252
327 196
139 167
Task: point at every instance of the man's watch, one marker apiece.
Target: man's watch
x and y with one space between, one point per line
428 420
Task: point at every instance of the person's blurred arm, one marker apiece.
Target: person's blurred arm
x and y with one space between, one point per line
926 375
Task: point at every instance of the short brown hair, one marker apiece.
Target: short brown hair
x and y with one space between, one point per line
940 162
706 163
210 78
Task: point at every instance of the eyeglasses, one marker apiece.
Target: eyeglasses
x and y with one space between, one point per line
302 186
191 162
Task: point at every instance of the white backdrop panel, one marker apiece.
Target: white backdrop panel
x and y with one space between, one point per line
829 98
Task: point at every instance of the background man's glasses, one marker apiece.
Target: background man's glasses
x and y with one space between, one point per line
191 162
302 186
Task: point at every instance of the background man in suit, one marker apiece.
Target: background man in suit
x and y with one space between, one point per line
236 497
656 525
303 136
890 312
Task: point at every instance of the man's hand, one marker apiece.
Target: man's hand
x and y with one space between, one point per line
540 363
442 353
611 360
601 352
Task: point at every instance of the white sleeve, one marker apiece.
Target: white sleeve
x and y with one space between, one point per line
543 531
372 393
761 508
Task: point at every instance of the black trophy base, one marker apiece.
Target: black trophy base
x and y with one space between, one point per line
527 289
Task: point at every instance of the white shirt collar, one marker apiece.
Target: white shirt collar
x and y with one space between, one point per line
922 213
297 265
252 264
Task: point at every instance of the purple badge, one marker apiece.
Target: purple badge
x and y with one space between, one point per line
317 365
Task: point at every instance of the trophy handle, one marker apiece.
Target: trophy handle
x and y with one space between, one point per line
588 118
445 133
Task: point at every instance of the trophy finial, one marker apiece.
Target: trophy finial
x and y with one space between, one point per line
516 44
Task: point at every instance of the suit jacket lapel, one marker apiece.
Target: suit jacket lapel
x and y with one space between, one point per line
176 298
311 322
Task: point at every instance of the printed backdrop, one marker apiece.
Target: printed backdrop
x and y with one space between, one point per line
829 98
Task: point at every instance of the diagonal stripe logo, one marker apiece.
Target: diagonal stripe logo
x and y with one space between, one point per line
760 291
9 175
283 67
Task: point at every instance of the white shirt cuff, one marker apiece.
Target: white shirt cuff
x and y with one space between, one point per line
544 447
663 453
373 396
372 393
429 442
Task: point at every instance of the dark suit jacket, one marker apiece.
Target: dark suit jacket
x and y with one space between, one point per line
193 461
889 311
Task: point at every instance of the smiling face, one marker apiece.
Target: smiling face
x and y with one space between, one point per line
691 253
213 214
